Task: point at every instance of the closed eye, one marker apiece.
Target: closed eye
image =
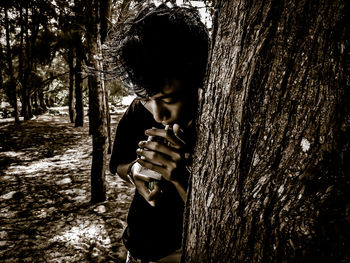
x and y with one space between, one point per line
170 100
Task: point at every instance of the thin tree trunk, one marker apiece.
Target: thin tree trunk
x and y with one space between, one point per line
72 114
270 180
26 97
13 88
105 14
79 104
97 109
20 55
108 119
41 100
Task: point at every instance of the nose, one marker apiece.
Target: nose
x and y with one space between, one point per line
159 112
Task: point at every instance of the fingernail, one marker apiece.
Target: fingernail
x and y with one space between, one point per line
141 143
139 150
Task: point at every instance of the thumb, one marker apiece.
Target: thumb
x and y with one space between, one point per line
179 133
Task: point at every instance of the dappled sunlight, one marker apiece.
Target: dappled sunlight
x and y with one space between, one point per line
12 154
45 210
84 231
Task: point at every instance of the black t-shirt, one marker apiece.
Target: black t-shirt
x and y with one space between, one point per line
152 232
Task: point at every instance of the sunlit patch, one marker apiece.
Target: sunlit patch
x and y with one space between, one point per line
100 209
8 195
85 232
64 181
6 213
42 213
305 145
7 178
30 169
12 154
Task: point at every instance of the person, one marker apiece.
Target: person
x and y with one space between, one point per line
163 53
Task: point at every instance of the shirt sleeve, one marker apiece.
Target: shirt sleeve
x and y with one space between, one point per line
125 141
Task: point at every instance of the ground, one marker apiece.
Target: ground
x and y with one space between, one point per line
45 209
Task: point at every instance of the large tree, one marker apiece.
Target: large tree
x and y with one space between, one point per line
271 174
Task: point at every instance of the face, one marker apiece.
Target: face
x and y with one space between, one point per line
173 104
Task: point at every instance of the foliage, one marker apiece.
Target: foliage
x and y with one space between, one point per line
41 33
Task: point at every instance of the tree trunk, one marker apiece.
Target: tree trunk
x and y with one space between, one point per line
36 105
108 121
12 88
20 55
71 108
105 14
79 104
26 97
270 180
97 107
41 100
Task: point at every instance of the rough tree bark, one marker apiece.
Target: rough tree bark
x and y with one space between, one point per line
271 174
97 107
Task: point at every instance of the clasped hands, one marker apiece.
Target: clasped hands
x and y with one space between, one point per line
166 159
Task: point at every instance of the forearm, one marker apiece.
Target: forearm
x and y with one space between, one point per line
122 171
181 189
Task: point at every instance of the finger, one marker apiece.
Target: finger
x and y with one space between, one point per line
168 135
152 156
142 189
161 148
162 170
144 192
141 177
155 193
179 133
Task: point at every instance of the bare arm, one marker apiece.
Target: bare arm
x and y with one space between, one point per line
139 182
122 170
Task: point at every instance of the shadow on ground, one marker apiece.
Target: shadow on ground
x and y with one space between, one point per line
45 214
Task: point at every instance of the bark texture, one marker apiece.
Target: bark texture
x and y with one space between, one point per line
271 176
97 107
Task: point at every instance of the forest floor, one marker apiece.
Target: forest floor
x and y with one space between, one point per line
45 209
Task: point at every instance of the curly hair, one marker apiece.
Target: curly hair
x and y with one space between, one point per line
159 44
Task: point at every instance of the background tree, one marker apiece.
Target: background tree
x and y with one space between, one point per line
11 86
270 180
97 101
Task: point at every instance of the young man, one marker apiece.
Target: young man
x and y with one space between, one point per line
164 53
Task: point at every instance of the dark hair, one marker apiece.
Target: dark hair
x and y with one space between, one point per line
163 43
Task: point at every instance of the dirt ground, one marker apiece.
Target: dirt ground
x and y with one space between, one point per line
45 210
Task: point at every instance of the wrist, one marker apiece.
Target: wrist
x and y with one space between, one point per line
130 174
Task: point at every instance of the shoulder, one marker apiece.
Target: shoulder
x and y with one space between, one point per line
134 110
136 114
135 107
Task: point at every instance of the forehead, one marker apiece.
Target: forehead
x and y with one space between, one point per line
170 87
